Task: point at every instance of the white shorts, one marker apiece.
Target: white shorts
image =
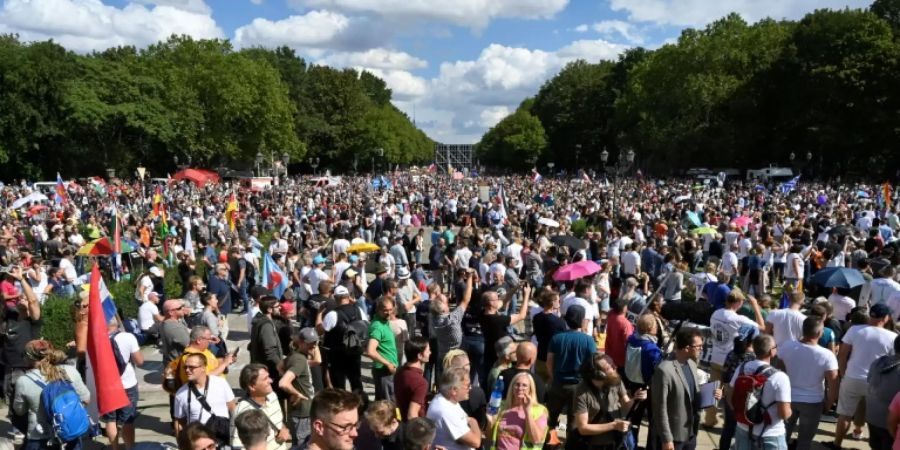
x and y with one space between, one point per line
851 393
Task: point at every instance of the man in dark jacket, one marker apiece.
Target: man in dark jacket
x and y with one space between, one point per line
265 347
884 383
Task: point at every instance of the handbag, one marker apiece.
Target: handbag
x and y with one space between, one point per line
220 426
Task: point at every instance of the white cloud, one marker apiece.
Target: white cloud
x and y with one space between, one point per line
197 6
404 86
611 27
491 116
376 58
86 25
467 13
256 2
313 33
701 12
581 28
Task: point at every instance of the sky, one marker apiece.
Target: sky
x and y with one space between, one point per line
456 66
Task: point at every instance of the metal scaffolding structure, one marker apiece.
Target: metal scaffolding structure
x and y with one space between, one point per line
452 155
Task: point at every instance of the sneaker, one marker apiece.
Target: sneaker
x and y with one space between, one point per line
857 435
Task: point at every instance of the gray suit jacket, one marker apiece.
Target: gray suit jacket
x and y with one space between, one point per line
675 412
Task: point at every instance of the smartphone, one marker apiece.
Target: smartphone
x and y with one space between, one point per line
234 354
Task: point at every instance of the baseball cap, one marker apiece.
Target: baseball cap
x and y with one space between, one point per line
879 311
403 273
156 271
319 259
307 335
354 258
288 308
350 274
341 291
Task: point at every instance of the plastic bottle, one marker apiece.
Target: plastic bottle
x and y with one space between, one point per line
496 397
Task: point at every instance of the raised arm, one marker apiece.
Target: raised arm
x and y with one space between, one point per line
523 307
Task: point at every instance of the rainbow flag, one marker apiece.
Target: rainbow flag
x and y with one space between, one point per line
230 211
60 196
157 201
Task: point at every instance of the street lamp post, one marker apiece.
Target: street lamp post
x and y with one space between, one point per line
285 159
577 154
550 166
604 157
259 159
380 155
314 163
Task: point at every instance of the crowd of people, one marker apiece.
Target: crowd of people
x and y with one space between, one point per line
698 307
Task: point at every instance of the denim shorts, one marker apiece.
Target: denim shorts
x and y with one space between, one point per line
743 441
127 414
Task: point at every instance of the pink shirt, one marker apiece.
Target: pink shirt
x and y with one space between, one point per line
511 430
895 408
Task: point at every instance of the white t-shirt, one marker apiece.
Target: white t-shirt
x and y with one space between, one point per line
631 262
128 344
589 309
68 270
841 304
218 396
147 284
146 314
789 271
452 423
777 389
806 366
725 325
869 343
787 325
729 263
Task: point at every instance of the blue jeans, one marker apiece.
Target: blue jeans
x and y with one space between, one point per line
743 441
474 347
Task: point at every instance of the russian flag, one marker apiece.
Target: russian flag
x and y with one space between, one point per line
106 298
432 168
535 176
60 196
110 392
274 278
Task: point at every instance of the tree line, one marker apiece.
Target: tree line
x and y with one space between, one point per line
196 101
825 88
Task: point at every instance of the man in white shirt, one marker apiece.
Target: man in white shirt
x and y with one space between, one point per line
809 367
882 288
582 293
631 262
149 317
455 429
514 251
124 417
725 325
861 346
787 324
214 389
730 262
316 275
776 393
840 305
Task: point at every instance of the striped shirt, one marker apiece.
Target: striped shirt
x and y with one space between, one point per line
272 410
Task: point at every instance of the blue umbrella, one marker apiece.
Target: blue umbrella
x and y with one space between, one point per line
692 216
838 277
862 194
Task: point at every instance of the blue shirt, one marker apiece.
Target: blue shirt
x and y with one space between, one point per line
570 350
716 293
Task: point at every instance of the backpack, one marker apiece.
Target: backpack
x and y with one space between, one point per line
354 330
120 361
633 365
64 409
747 398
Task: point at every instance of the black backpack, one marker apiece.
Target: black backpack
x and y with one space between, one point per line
354 330
120 361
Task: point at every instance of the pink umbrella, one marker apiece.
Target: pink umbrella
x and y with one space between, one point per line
577 270
741 221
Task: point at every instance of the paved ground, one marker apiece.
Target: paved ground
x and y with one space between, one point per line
153 428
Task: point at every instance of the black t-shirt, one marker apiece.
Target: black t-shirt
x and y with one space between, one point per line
546 326
476 405
493 326
510 373
19 331
471 321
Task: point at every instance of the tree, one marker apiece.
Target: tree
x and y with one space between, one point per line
516 142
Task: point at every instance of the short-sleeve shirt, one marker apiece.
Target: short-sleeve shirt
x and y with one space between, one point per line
146 314
451 421
546 325
806 366
777 389
787 325
570 350
410 387
601 406
869 343
272 410
511 429
298 364
127 344
218 396
380 331
725 325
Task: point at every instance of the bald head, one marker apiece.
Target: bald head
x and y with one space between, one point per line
526 353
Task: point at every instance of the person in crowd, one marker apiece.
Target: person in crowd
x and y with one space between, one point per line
526 354
521 423
475 406
741 352
787 324
265 345
565 357
45 365
195 288
203 399
447 324
813 372
174 335
495 325
197 436
149 318
211 318
419 434
600 405
342 366
410 386
545 325
505 349
881 401
860 347
335 421
123 418
618 329
776 394
297 380
582 297
381 429
382 349
219 283
455 430
22 320
257 386
252 429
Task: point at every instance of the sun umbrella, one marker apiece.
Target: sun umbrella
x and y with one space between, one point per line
862 194
704 230
36 209
574 271
694 218
682 198
840 230
34 197
101 247
569 241
838 277
741 221
549 222
365 247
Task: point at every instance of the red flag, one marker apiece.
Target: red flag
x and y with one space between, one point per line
110 393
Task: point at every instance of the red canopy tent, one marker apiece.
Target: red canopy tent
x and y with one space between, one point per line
197 176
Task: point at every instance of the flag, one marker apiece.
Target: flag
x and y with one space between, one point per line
789 185
432 168
188 243
163 222
273 277
886 191
230 210
99 185
720 177
157 201
535 176
110 393
585 177
501 200
117 245
60 196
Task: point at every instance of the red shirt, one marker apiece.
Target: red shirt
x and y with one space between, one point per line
618 328
410 386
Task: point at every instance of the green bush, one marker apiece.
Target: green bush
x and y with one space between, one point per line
123 295
173 283
56 313
579 227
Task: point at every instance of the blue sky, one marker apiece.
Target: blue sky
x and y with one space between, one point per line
459 65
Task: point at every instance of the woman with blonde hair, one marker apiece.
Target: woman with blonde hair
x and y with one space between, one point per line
47 366
521 422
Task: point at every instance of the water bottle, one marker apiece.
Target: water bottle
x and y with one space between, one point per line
496 397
